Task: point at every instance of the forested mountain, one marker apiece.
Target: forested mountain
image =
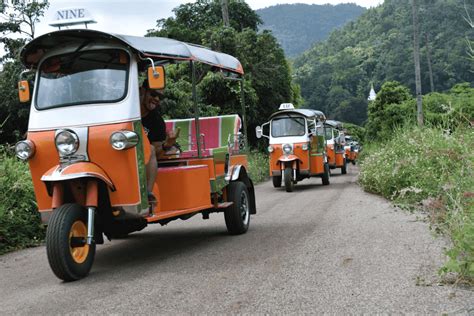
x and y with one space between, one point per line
298 26
335 76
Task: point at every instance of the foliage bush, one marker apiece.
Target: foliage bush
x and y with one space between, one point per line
20 224
258 166
433 170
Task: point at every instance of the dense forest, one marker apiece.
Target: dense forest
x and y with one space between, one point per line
335 76
298 26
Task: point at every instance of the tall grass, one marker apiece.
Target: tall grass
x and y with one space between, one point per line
431 170
20 224
258 166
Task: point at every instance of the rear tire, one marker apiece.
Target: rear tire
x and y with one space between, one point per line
237 216
344 166
325 176
69 256
289 185
276 181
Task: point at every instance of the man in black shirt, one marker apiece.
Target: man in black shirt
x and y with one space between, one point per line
155 128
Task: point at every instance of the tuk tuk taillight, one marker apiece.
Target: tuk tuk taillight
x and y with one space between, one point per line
123 139
25 149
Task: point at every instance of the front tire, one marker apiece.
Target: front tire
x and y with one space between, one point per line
289 184
344 166
325 176
276 181
69 256
237 216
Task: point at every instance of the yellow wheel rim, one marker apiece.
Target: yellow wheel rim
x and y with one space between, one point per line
79 254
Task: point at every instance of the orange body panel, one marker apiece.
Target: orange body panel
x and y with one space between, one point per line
317 164
209 162
45 158
183 189
339 160
331 155
119 165
301 155
274 158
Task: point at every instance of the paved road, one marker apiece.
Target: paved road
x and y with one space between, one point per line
319 249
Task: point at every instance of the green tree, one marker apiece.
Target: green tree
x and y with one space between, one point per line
389 110
192 20
267 74
20 18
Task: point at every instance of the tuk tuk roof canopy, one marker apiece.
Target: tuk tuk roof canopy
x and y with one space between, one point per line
335 124
157 48
308 113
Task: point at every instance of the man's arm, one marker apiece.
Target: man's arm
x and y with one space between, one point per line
158 148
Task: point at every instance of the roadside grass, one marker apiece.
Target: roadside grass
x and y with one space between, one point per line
258 166
431 170
20 224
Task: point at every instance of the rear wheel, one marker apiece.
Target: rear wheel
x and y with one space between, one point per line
69 256
276 181
237 216
325 176
344 166
289 184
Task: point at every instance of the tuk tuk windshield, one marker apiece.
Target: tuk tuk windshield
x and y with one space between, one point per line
288 126
81 78
328 133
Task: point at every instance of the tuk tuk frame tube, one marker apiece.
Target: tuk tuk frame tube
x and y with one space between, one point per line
196 108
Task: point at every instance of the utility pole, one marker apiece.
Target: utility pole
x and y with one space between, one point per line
428 57
416 54
225 12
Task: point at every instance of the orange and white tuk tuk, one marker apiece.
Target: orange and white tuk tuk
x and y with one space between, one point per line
335 145
296 146
352 149
85 144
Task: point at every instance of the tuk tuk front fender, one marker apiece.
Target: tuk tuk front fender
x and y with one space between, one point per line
288 158
75 171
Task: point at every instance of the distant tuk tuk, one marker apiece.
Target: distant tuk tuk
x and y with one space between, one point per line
297 146
352 149
86 146
335 141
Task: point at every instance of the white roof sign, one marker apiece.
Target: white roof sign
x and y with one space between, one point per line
72 16
286 106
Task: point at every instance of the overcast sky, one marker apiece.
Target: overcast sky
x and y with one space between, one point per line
135 17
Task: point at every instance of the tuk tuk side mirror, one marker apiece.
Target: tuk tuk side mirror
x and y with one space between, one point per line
258 131
156 77
24 91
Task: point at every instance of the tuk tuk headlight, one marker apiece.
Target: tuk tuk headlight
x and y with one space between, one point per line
270 149
25 149
123 139
67 142
287 149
